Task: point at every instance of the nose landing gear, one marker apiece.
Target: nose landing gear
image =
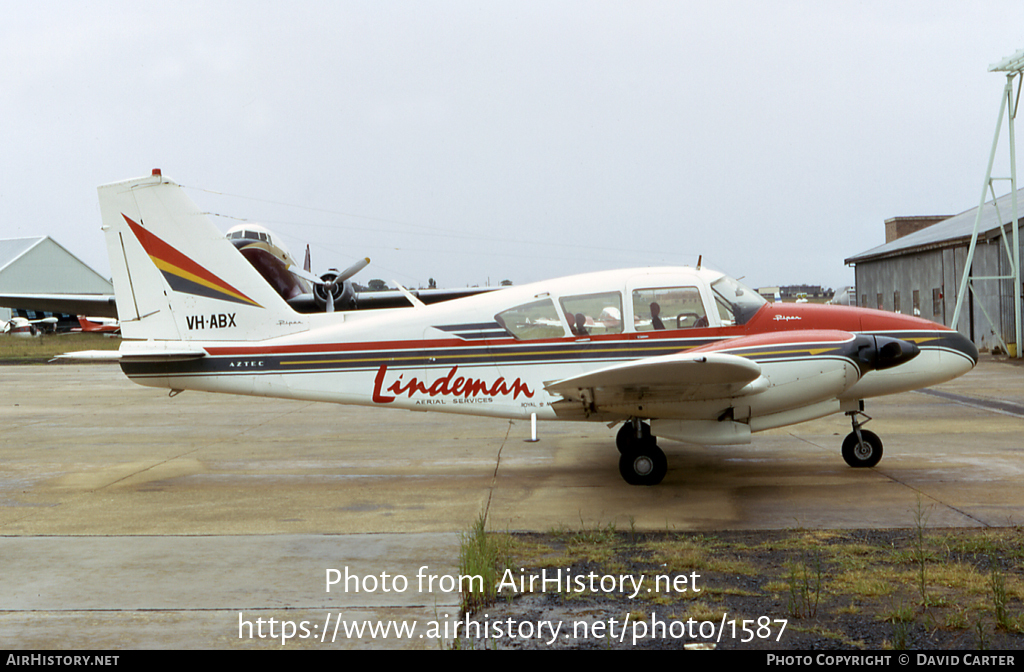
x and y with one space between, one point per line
861 448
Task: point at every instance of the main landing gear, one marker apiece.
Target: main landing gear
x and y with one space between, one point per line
861 448
641 462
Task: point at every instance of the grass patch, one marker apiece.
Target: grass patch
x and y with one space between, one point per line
912 588
486 556
44 348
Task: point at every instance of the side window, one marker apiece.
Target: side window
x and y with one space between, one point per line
532 320
593 314
668 308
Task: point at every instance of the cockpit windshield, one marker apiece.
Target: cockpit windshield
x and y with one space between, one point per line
737 303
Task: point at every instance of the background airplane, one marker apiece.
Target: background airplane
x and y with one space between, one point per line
677 353
99 325
333 290
25 328
305 292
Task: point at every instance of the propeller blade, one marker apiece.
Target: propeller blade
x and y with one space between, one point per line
353 269
305 265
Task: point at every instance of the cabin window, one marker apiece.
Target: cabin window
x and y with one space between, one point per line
530 321
593 314
737 303
668 308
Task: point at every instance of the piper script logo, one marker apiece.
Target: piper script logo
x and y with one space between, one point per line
786 318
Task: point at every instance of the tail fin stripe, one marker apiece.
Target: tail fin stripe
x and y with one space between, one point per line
183 274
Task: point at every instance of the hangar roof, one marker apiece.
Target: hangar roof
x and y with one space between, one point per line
34 265
955 230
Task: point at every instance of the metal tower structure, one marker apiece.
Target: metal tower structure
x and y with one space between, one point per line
1013 66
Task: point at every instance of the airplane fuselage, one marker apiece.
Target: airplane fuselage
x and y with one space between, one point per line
459 357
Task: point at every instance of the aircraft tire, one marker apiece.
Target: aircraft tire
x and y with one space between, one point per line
645 466
862 457
626 440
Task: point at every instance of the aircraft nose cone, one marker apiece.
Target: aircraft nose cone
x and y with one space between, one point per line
963 346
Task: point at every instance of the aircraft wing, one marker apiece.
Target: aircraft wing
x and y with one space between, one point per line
93 305
390 298
682 376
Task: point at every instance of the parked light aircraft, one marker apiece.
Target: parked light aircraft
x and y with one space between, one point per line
685 354
26 328
98 325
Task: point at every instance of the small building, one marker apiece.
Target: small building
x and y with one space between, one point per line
43 266
919 268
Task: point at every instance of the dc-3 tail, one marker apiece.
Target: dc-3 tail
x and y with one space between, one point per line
176 277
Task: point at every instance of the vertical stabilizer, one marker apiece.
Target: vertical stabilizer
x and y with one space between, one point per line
176 277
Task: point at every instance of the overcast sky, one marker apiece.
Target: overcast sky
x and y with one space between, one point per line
475 141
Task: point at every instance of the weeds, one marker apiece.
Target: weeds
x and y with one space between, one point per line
969 582
998 584
479 557
805 584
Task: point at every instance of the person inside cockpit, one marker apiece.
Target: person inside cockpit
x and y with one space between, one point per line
581 325
655 320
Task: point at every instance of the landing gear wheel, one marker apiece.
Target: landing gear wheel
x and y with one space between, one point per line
646 465
626 440
862 455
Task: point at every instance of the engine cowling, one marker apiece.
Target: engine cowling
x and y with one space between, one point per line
343 292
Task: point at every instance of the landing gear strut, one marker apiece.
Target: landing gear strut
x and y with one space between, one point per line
861 448
641 462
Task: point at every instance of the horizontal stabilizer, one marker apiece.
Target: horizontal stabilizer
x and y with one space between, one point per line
135 355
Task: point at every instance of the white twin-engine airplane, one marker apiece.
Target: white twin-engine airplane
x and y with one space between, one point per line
676 353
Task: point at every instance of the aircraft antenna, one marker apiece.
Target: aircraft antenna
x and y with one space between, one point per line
1013 66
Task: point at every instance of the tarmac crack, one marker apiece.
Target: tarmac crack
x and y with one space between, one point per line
938 502
919 492
196 448
494 476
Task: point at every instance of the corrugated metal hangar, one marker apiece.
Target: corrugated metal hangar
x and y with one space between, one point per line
43 266
918 270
